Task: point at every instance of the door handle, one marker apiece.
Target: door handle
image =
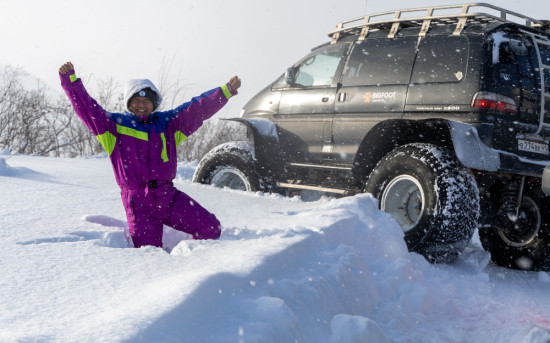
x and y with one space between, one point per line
342 97
325 99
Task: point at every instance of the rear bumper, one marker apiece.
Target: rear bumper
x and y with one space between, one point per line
515 165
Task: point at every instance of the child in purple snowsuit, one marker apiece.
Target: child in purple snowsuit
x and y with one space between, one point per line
141 144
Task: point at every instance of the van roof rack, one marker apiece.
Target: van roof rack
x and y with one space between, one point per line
424 17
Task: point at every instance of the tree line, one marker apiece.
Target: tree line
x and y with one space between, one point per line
33 122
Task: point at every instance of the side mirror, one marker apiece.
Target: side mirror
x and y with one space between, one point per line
546 180
290 76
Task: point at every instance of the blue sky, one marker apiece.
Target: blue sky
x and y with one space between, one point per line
201 44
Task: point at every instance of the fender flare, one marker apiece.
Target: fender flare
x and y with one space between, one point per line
265 141
470 149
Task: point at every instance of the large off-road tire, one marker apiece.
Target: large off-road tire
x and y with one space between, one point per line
524 244
432 197
230 165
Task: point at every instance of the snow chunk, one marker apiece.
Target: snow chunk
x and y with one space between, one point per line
5 170
355 329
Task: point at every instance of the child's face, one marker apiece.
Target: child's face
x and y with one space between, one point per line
141 106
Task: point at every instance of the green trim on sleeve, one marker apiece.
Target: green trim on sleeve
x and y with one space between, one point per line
123 130
73 77
108 141
180 137
164 153
226 91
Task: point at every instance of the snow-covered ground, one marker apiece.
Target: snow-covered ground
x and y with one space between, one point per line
284 270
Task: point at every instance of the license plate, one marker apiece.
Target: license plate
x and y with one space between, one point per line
539 148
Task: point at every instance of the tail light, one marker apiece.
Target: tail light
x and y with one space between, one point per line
493 101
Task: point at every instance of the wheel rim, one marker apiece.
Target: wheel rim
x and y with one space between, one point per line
403 198
525 230
231 178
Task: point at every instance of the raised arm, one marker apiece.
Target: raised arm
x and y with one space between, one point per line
86 108
189 116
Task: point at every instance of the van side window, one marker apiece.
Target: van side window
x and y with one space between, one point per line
441 59
380 61
319 69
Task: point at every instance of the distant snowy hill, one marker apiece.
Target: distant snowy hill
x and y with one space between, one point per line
284 270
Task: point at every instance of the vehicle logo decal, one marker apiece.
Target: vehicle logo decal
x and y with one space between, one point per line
368 96
379 96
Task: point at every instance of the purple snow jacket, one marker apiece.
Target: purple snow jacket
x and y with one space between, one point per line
143 149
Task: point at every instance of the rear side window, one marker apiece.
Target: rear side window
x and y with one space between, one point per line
524 52
545 56
506 51
514 64
441 59
380 62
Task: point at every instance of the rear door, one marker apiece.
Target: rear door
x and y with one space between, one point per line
441 82
374 88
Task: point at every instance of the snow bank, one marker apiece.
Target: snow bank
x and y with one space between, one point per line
284 270
7 170
275 283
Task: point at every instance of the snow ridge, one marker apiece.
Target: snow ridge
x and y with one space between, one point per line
284 270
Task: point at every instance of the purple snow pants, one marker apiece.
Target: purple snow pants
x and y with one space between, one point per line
149 208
